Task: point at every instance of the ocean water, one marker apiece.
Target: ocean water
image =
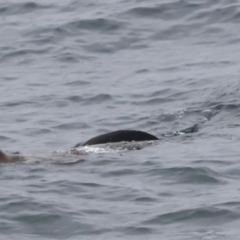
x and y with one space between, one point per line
71 70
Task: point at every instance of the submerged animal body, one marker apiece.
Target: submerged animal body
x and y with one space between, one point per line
112 137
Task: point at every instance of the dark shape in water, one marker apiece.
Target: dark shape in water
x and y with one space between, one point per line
119 136
112 137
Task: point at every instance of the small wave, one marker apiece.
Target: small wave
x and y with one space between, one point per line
219 14
100 98
68 57
17 103
166 11
201 11
120 172
21 55
38 216
74 125
222 106
215 162
198 215
99 24
22 8
37 131
48 34
4 138
145 199
99 47
153 101
138 230
189 175
77 83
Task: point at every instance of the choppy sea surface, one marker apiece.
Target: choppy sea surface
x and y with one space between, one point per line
71 70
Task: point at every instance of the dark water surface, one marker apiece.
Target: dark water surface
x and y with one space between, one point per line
71 70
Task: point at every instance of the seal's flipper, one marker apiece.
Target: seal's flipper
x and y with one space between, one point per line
119 136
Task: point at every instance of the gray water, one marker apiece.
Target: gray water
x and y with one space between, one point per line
71 70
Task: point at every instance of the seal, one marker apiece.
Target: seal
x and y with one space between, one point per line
112 137
119 136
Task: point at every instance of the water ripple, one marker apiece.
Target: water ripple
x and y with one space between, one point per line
198 215
189 175
166 11
22 8
100 24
